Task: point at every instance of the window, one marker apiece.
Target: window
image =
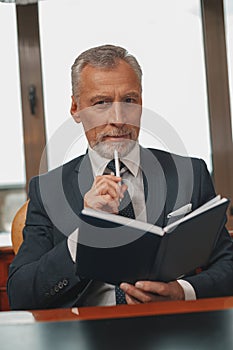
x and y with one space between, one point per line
165 36
12 175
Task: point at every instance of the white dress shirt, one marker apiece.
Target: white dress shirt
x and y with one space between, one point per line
103 293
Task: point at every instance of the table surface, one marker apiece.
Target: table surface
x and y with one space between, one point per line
202 324
121 311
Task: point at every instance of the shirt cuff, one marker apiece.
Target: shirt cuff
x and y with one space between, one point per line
72 244
189 292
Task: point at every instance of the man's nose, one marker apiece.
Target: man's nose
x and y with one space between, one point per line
117 114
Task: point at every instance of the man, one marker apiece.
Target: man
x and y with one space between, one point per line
107 101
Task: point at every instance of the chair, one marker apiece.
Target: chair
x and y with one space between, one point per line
17 227
230 225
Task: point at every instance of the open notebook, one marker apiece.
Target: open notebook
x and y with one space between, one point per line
113 249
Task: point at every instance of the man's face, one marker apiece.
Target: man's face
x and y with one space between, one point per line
109 107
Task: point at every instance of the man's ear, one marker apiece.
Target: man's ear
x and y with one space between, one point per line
74 110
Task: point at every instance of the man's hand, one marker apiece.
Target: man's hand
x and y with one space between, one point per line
105 194
147 291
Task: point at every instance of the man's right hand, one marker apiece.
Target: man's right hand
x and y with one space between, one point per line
105 194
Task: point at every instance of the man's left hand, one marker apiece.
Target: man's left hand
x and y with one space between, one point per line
147 291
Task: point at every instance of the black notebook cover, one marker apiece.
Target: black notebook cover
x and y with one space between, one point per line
115 253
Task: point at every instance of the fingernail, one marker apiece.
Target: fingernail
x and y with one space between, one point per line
139 284
124 286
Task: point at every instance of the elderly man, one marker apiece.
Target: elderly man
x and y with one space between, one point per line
107 100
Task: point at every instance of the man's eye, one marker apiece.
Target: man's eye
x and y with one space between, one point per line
130 100
102 104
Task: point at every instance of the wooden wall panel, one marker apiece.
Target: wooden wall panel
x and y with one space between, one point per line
30 75
218 96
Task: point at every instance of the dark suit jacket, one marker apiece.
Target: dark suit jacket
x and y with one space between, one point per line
42 274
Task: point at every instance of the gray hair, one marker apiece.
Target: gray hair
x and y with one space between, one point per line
105 56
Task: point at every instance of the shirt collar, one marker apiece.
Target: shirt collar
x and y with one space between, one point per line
131 160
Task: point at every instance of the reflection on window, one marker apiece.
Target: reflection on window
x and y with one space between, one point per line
12 174
228 9
165 36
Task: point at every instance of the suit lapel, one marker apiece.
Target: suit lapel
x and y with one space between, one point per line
77 183
68 184
155 186
170 183
82 180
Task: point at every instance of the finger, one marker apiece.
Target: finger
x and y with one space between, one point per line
105 186
153 287
101 202
106 199
110 179
130 300
113 178
93 201
136 293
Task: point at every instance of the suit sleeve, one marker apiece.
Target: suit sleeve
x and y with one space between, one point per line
42 275
216 279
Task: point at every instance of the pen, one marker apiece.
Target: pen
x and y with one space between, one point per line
117 166
116 163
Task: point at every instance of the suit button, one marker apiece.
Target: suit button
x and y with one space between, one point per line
65 282
47 295
60 285
56 288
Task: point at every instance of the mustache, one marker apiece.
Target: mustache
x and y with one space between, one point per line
115 132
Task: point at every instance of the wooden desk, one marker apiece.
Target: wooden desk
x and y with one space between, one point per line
200 325
158 308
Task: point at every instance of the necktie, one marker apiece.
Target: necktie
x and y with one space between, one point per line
125 209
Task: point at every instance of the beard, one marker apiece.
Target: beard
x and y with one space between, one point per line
106 148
